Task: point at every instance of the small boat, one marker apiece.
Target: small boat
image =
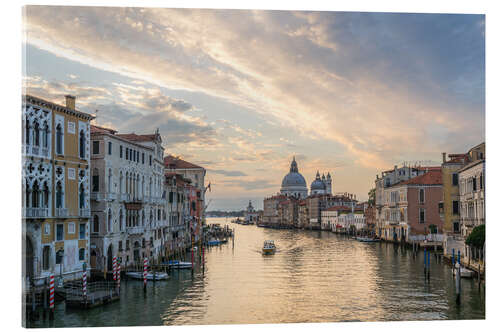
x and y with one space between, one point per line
464 272
367 239
269 247
150 276
179 264
213 242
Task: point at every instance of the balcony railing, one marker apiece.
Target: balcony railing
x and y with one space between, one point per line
61 212
124 197
35 212
84 212
111 196
35 150
97 196
135 230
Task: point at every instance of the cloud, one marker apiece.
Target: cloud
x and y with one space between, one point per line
228 173
258 184
371 82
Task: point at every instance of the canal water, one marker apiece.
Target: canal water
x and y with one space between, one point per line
313 277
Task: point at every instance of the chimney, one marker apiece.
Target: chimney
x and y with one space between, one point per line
70 102
444 157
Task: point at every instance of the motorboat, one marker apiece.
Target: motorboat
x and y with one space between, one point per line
150 276
213 242
269 247
464 272
367 239
180 264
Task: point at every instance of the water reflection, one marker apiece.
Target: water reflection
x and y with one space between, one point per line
313 277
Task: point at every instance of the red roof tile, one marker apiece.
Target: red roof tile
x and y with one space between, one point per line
172 162
138 137
100 129
433 177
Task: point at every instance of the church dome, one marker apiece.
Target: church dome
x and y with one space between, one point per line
318 184
293 183
293 179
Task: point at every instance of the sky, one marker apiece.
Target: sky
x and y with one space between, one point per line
240 92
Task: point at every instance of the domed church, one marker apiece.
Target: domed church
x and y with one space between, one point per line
322 185
294 184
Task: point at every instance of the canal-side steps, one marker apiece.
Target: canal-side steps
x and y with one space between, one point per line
97 293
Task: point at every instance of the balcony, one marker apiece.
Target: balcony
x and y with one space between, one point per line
84 212
135 230
35 212
61 212
146 199
96 196
111 196
35 150
124 197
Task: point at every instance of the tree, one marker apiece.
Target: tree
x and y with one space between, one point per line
476 237
371 197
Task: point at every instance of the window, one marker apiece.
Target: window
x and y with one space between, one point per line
60 232
27 132
82 231
95 226
150 160
82 144
121 151
59 195
110 148
127 245
455 208
481 181
95 147
120 245
142 158
171 197
110 221
474 186
421 195
455 179
456 227
36 134
71 228
81 254
422 215
59 140
46 229
126 153
46 257
82 196
95 183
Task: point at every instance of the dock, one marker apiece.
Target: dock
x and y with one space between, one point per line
98 293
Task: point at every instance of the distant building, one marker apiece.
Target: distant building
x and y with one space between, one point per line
321 185
294 184
272 215
251 215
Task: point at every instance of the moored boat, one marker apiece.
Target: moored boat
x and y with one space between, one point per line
150 276
179 264
269 247
367 239
464 272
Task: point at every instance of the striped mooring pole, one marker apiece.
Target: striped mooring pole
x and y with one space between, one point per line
119 277
84 278
145 273
51 296
114 268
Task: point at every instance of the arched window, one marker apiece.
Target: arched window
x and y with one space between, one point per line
28 137
121 182
35 199
109 181
96 224
36 134
121 220
59 139
82 144
82 196
45 195
142 219
126 182
95 180
110 221
28 194
46 257
45 135
59 195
